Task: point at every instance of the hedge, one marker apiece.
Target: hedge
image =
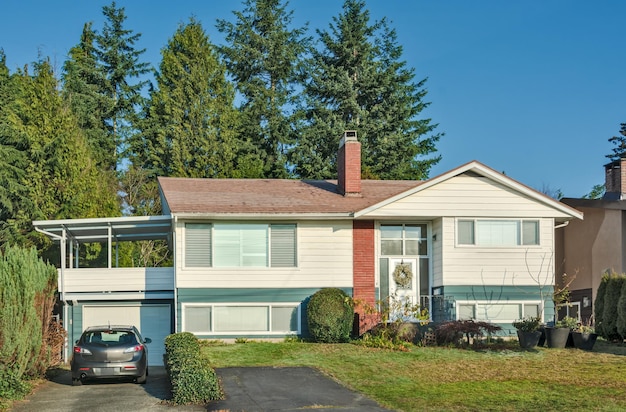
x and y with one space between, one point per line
192 379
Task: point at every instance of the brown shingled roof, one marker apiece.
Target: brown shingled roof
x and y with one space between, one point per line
273 196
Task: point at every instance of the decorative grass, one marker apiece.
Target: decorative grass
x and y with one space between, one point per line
449 379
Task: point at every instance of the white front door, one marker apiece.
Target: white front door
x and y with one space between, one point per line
403 276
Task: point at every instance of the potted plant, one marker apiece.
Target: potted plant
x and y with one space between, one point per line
584 337
528 331
557 336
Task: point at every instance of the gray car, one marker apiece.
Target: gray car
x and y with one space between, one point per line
110 352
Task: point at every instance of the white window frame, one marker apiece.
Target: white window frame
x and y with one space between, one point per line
269 249
475 303
520 232
568 306
269 305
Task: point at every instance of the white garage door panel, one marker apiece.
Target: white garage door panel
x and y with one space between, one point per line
153 321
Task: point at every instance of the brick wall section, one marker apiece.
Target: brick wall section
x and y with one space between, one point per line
615 177
349 166
364 270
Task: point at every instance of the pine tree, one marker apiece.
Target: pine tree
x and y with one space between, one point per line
190 124
619 150
358 82
264 56
119 62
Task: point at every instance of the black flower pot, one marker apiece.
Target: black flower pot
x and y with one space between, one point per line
557 337
528 340
584 341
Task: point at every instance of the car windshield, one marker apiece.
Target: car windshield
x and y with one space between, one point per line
110 337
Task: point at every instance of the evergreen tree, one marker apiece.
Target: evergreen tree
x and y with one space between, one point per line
119 62
83 89
264 56
60 175
190 124
620 144
12 160
358 82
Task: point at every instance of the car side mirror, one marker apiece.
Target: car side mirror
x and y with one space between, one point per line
147 340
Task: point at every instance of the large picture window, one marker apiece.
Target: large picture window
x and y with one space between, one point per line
497 312
240 245
207 318
497 232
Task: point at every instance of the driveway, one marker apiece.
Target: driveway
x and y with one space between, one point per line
247 389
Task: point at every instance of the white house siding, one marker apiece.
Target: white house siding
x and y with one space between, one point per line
467 196
324 251
509 266
480 197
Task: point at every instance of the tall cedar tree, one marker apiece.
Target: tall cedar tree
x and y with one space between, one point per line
12 161
83 88
60 176
264 57
190 124
358 82
119 62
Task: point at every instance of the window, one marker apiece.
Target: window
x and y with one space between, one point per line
497 232
207 318
403 240
496 312
240 245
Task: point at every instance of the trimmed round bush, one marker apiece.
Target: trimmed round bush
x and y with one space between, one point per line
330 314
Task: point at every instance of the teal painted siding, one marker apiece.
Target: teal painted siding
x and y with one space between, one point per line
444 304
252 295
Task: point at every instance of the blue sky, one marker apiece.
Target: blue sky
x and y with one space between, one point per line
531 88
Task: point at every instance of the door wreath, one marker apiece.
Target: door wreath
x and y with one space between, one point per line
402 275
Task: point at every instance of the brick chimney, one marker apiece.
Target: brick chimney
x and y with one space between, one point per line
349 165
615 180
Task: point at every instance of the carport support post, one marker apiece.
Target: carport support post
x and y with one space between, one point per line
109 246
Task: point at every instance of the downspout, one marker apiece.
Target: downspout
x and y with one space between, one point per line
174 231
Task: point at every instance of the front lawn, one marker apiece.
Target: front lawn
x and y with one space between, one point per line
435 378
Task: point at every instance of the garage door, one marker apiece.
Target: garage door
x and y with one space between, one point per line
153 321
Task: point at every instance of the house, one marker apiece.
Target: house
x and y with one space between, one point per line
472 243
587 249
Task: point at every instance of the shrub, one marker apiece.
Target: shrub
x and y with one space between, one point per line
453 331
598 305
621 311
330 315
611 298
27 296
191 377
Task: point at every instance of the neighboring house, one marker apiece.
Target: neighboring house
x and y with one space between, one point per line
248 253
587 249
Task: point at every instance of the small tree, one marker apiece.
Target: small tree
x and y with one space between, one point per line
609 316
330 314
598 305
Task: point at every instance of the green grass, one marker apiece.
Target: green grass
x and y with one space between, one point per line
448 379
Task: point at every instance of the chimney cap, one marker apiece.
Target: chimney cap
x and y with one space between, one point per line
348 136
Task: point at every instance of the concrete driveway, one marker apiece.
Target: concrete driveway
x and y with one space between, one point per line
247 389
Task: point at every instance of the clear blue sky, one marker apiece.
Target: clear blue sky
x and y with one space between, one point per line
531 88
